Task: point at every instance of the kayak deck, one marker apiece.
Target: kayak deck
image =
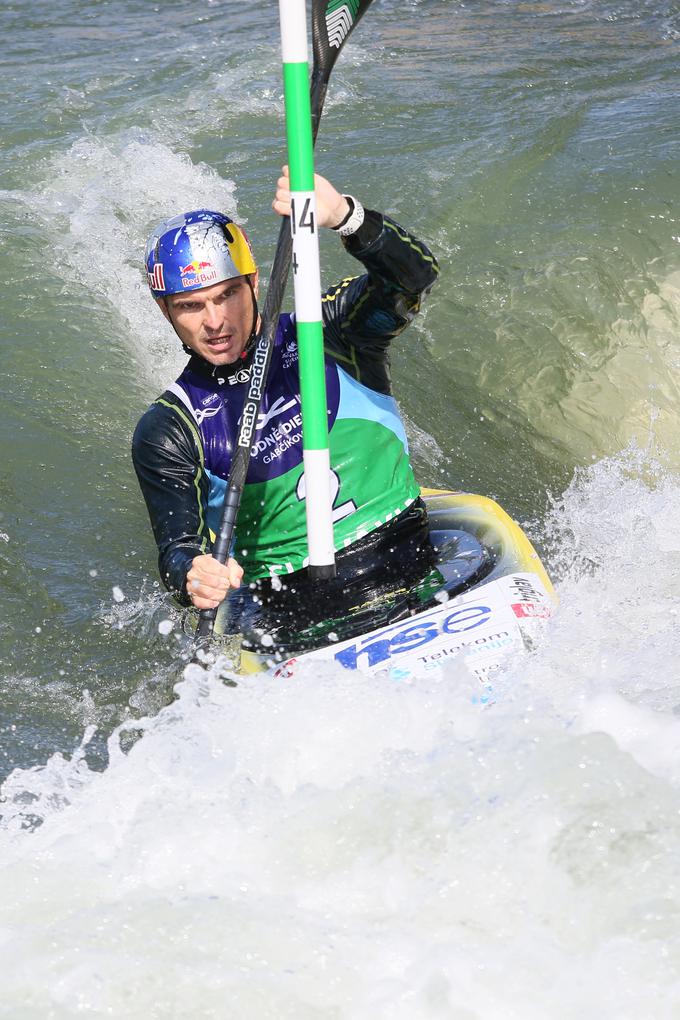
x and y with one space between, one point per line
491 595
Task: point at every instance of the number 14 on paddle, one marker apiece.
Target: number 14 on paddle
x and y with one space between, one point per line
307 284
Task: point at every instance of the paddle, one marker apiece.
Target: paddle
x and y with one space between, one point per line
314 487
332 22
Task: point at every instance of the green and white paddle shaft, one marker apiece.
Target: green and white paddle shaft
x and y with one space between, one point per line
315 483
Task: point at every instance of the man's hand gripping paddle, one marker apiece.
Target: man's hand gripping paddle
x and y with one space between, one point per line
332 23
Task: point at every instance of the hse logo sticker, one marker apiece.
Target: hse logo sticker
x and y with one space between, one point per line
381 647
340 15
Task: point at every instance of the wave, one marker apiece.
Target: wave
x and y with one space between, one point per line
377 849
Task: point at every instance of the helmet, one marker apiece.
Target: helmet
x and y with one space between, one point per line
194 250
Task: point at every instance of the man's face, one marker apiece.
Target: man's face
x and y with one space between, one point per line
216 321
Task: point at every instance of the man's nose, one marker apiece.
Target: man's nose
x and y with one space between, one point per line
213 317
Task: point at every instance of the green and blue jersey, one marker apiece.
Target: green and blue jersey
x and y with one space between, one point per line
183 445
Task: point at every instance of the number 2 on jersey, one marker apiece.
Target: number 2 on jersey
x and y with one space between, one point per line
342 509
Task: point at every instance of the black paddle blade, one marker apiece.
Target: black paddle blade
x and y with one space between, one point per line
332 22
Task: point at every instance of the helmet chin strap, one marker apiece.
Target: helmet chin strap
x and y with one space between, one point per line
250 342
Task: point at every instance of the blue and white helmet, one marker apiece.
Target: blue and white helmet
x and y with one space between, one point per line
196 249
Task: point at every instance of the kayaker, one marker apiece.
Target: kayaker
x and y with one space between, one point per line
203 276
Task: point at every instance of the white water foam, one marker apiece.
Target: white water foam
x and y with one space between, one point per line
331 847
101 199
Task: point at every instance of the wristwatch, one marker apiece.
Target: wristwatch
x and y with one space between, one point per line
353 219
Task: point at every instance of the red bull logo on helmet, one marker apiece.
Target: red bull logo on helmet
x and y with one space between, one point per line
156 281
197 273
195 267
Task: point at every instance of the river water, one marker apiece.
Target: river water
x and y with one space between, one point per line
330 848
